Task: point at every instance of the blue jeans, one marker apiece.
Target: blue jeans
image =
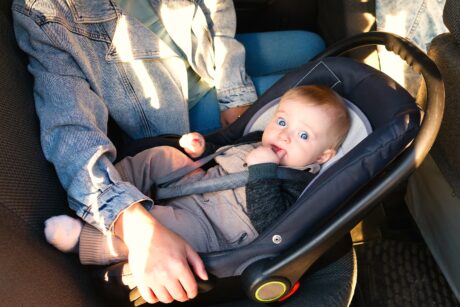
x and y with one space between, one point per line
269 55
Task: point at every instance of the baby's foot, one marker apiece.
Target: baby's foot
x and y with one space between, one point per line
63 232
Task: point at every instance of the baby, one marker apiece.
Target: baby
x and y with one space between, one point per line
308 127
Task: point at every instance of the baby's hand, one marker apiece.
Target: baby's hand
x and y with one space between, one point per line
193 143
263 154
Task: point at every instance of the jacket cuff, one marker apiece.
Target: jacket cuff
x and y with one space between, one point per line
236 97
110 203
262 171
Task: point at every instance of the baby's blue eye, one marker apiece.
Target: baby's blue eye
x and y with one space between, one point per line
303 135
281 122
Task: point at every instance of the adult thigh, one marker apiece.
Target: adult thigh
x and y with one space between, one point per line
277 52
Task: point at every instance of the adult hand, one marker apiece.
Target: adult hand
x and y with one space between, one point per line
264 154
230 115
161 262
193 143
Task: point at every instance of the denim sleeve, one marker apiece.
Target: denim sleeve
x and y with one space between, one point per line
73 128
233 85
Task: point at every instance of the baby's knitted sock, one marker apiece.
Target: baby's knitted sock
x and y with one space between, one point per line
63 232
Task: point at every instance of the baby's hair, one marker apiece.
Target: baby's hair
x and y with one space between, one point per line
320 95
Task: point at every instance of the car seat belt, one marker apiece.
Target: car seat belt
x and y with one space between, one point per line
164 190
230 181
181 172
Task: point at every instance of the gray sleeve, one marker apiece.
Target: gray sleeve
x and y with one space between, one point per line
267 196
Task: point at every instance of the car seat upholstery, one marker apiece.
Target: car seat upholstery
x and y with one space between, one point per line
32 272
433 193
445 51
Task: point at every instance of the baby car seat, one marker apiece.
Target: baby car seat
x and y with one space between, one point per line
387 141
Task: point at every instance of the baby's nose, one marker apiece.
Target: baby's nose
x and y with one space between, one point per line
284 135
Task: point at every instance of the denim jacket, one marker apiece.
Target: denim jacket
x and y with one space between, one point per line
418 20
90 60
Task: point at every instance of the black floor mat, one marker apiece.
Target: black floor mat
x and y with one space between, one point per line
395 266
401 273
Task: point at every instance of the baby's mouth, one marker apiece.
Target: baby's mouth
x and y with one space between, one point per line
275 148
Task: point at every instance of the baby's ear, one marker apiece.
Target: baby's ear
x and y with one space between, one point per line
326 156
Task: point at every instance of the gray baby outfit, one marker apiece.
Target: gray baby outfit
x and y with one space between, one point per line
208 222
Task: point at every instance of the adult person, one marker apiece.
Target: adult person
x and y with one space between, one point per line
95 59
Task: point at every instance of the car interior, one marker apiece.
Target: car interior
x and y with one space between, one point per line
403 226
433 191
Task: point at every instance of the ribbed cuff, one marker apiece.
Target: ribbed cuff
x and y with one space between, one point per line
100 249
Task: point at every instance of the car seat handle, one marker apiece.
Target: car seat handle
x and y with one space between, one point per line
432 103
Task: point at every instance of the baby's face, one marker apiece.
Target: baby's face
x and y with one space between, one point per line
301 131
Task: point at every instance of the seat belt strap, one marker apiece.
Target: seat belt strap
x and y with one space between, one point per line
181 172
230 181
